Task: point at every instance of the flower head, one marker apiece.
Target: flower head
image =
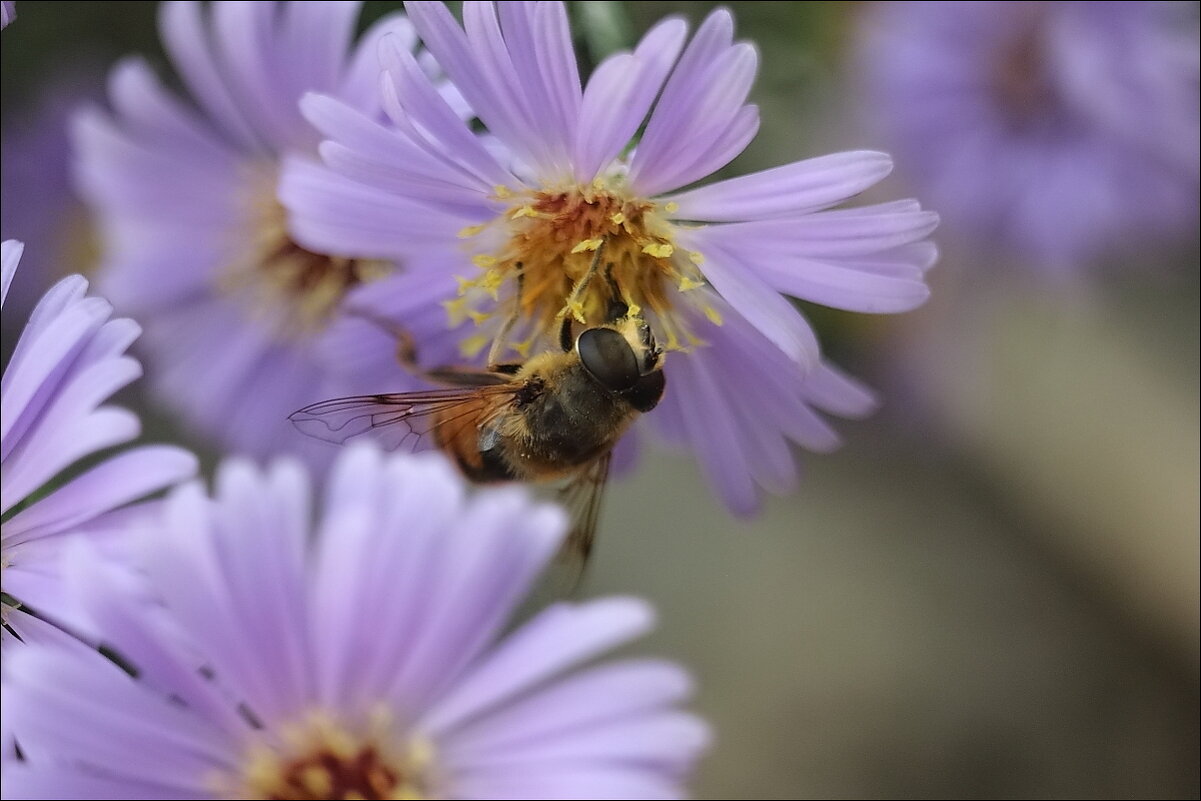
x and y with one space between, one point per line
1058 132
67 362
520 215
41 207
194 239
355 655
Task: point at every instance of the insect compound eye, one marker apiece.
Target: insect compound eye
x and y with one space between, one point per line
607 356
647 391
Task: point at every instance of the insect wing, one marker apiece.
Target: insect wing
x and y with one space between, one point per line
403 418
582 496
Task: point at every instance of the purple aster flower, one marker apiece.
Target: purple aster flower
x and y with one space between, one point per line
360 653
69 360
8 13
194 240
565 169
1060 132
40 205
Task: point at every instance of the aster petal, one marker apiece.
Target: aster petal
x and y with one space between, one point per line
792 189
64 443
186 39
619 95
478 65
741 287
844 232
568 782
120 615
118 169
122 479
265 656
28 781
410 98
468 596
753 433
141 99
708 419
45 352
241 34
608 693
397 163
665 738
360 87
111 718
700 119
401 566
333 215
856 283
559 637
316 40
10 256
834 391
364 340
556 64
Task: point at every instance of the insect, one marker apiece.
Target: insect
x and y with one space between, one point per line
555 417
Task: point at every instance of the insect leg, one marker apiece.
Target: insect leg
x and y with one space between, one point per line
406 346
502 337
573 306
617 308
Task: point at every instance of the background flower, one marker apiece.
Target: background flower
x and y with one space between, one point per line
41 207
67 362
367 658
194 239
524 227
1061 132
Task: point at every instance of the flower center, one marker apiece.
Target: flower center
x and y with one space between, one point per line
294 288
541 264
321 760
1021 80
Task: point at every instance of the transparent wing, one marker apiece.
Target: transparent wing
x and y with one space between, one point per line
402 418
582 497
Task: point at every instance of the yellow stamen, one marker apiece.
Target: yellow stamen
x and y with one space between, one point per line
471 230
587 245
471 346
660 250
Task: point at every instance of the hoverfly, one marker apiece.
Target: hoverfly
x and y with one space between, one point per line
555 417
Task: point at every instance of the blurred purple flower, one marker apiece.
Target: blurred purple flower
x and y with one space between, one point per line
194 239
40 205
68 360
556 175
359 653
1060 132
8 13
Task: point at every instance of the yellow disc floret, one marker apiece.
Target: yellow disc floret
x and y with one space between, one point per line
547 266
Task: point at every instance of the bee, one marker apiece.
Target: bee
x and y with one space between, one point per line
555 417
